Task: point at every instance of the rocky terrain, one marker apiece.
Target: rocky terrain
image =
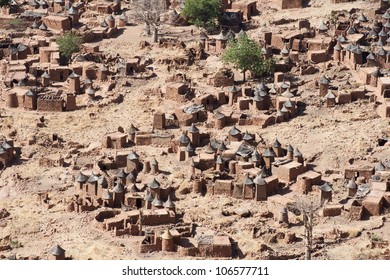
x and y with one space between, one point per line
330 139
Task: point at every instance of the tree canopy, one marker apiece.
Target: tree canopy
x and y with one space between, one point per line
4 3
202 13
246 55
69 43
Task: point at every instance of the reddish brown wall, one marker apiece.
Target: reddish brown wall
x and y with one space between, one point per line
291 4
57 24
50 105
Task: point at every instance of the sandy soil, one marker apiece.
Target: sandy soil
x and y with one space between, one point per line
329 139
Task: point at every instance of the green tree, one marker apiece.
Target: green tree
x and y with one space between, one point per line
202 13
246 55
4 3
69 43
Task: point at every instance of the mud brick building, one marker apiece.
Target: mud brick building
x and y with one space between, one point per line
159 120
105 7
51 103
384 87
290 4
359 171
247 7
57 23
176 91
57 253
58 6
222 79
7 153
132 222
134 65
177 240
51 161
246 172
30 100
115 140
153 139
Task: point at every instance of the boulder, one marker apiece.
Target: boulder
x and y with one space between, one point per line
243 212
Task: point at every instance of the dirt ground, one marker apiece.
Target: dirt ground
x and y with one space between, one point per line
329 139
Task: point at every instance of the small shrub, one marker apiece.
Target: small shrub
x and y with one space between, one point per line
376 238
16 22
69 44
15 244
